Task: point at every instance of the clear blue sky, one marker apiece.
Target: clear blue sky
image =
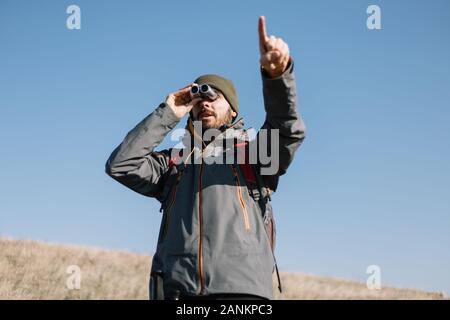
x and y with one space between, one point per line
370 184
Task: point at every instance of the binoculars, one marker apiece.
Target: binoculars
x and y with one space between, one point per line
203 90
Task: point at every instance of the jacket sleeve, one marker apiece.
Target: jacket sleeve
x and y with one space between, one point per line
280 102
134 163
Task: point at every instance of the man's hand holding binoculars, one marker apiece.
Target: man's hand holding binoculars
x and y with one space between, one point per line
181 102
274 51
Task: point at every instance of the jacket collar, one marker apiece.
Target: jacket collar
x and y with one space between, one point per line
233 130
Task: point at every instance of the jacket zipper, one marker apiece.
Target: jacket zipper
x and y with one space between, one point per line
200 244
241 199
169 207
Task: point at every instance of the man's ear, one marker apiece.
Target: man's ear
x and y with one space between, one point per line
233 114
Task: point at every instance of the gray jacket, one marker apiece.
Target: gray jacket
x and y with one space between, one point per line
212 238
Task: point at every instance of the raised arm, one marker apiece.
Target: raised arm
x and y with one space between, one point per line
280 103
134 163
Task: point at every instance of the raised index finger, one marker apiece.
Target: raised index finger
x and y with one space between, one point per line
262 33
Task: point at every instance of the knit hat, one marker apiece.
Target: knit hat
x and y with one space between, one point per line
224 85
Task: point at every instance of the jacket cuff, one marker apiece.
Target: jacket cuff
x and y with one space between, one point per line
289 70
168 117
280 93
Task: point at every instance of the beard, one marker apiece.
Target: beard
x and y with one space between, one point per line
213 122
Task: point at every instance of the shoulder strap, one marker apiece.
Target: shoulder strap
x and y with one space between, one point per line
174 174
256 188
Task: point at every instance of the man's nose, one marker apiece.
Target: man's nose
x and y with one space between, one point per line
204 103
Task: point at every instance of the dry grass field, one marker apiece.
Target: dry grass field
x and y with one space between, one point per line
36 270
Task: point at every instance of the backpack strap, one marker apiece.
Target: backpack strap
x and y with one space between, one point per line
178 166
260 193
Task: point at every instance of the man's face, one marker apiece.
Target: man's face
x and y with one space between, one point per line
213 113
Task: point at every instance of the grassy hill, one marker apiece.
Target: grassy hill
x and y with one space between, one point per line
35 270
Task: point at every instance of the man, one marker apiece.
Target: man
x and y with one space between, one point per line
213 241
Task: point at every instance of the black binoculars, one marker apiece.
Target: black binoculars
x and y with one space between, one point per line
203 90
